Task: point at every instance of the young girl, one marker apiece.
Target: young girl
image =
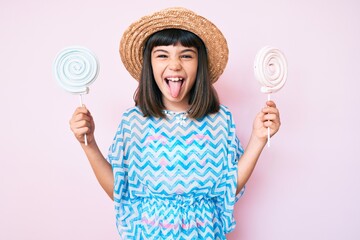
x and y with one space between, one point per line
175 168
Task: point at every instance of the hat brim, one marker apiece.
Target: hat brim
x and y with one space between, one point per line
134 38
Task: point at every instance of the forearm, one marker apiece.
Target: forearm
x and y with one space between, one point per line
267 118
102 169
248 161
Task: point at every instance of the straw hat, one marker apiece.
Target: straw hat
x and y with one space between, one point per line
134 38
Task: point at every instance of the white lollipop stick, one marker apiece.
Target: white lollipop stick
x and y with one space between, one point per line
271 71
268 129
81 104
75 68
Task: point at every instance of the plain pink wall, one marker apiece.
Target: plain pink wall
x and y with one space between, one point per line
306 186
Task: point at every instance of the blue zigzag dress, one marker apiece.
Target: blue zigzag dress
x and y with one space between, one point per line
175 178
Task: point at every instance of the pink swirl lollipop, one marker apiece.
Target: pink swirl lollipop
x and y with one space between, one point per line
271 71
75 68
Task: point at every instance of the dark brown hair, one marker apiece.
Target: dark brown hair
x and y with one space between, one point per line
203 97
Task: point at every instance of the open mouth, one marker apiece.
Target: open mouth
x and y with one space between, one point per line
174 84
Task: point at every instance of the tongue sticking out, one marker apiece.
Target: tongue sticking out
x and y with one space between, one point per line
175 88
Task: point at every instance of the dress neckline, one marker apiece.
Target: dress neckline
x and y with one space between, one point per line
174 113
180 117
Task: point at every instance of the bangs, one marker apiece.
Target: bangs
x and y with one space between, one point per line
169 37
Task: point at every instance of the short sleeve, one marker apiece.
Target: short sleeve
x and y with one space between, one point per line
239 152
117 157
227 202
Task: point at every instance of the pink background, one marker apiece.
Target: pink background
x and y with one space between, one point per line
306 186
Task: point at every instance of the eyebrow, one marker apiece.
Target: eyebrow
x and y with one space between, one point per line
183 51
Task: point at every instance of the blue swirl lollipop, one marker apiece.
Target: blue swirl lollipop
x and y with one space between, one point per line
75 69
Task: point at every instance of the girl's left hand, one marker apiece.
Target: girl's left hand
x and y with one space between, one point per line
268 117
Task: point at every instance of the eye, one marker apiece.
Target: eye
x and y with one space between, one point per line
161 56
189 56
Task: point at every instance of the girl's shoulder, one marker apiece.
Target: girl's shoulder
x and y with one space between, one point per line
224 113
224 110
135 110
131 114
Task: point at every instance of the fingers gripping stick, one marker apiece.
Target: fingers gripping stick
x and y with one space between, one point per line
270 69
75 69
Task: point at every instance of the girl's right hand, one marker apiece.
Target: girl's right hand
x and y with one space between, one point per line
82 123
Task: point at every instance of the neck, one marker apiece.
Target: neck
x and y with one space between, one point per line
182 106
177 107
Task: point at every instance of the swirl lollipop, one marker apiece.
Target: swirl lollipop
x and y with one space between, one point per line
271 71
75 68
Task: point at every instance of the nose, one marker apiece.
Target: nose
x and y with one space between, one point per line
175 65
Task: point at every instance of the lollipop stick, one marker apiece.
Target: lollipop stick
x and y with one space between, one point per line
268 129
81 104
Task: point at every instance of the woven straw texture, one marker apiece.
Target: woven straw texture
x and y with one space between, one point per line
134 38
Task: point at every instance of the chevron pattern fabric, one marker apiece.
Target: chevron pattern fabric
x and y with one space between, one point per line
175 178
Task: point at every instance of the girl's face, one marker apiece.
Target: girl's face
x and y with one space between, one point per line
175 69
